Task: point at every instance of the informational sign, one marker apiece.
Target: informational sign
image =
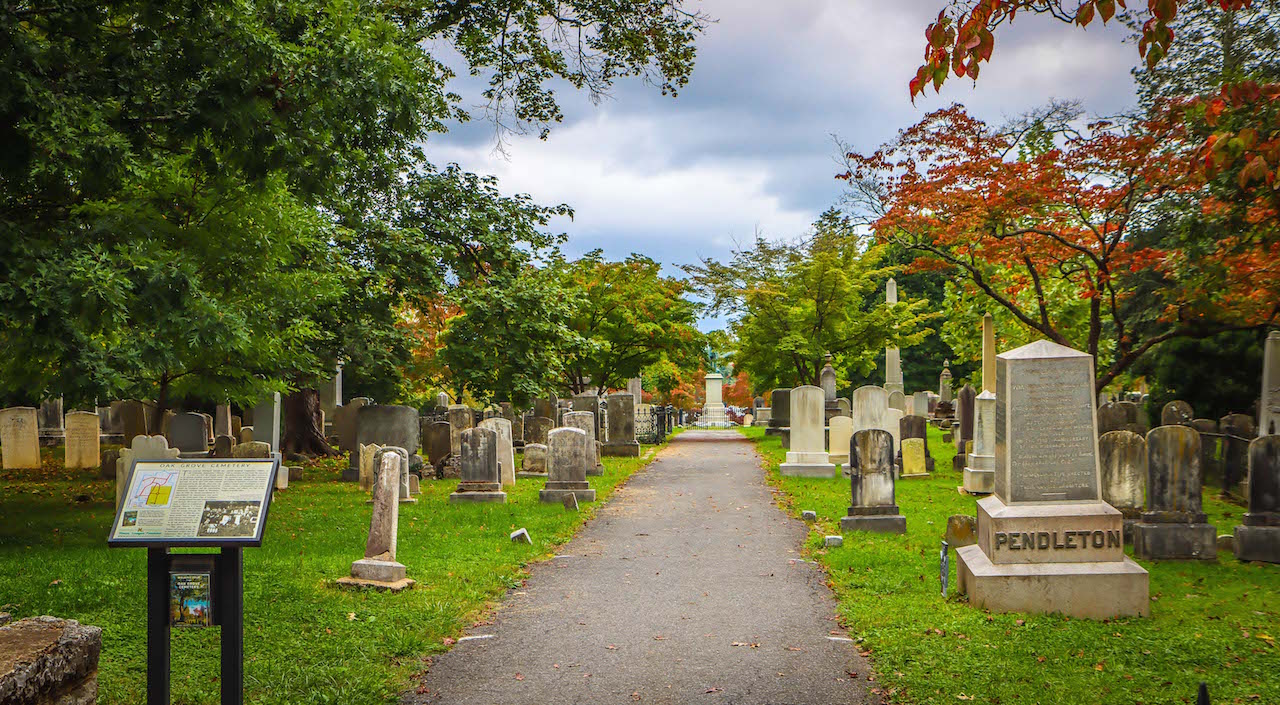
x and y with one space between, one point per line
195 503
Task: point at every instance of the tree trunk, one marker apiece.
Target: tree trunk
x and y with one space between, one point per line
304 432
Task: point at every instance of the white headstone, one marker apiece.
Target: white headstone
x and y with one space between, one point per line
20 438
83 447
808 454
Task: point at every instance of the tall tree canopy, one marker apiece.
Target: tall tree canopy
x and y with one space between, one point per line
794 302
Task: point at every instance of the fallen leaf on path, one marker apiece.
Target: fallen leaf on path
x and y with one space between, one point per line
712 690
611 647
519 676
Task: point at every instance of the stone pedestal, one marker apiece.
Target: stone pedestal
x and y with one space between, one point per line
1257 543
567 466
1173 526
1258 539
1046 542
980 468
874 507
481 476
1198 541
713 413
808 455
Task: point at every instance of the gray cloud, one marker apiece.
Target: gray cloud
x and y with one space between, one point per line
747 145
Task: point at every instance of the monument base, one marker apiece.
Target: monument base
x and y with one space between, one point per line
840 459
808 464
479 492
773 431
555 492
878 524
914 475
396 586
1175 541
1094 590
979 481
1258 543
377 570
621 450
530 475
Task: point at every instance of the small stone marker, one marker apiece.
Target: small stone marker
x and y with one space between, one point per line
807 456
521 535
481 477
839 433
535 461
48 661
571 502
20 438
567 466
874 506
379 568
913 465
1173 525
1176 413
415 486
83 445
252 449
962 530
809 515
833 541
222 447
1258 538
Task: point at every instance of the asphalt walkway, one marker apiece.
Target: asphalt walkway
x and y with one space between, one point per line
688 587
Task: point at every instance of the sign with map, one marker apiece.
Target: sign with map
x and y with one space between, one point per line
195 503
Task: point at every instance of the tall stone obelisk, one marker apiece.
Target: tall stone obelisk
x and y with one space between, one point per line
892 360
979 471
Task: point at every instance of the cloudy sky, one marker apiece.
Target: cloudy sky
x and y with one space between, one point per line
748 145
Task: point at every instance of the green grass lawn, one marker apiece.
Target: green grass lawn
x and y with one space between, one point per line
306 641
1215 622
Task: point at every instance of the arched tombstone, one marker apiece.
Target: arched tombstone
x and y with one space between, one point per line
567 466
1176 413
1122 456
586 420
874 504
506 450
1111 417
1173 525
20 438
1258 538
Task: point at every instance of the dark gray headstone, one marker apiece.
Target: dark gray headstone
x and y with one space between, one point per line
187 433
536 430
1176 413
589 402
1173 525
547 407
1240 425
1258 539
1111 417
916 427
780 411
480 456
1123 456
620 413
873 506
133 420
384 425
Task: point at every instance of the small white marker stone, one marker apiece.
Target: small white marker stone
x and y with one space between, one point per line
473 638
833 541
521 536
809 515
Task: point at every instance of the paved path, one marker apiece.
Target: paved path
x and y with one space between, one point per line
688 587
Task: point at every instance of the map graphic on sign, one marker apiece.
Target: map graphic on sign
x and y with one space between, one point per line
153 488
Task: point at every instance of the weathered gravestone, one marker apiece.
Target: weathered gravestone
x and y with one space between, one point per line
1173 525
964 417
385 425
481 476
980 465
267 425
344 422
1239 425
898 400
589 402
208 427
839 435
870 408
49 421
535 460
910 427
1123 457
779 411
222 421
142 448
1176 413
893 424
567 466
1136 416
365 455
439 445
920 404
379 568
19 438
620 419
187 434
406 494
537 428
133 419
1112 417
1046 540
1269 401
874 506
1258 538
547 407
586 421
222 447
808 454
913 459
1205 425
460 419
506 451
252 449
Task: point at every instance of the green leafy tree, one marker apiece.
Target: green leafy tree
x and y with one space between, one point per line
630 315
793 303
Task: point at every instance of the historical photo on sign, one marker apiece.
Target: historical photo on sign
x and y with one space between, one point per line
189 600
221 519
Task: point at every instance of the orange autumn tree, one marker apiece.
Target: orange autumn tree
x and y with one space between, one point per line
424 372
1026 212
963 35
738 391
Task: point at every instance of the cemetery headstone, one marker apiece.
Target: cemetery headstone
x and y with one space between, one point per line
1269 401
222 421
913 464
980 468
898 400
1176 413
874 506
252 449
535 460
385 425
365 463
344 422
222 447
537 428
547 407
1112 417
913 426
839 435
506 451
567 465
1174 525
1046 540
187 434
586 421
808 454
406 492
964 415
83 447
589 402
49 421
1239 425
635 387
133 419
267 422
481 478
779 411
1123 457
1258 538
620 417
379 568
439 445
460 419
19 438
